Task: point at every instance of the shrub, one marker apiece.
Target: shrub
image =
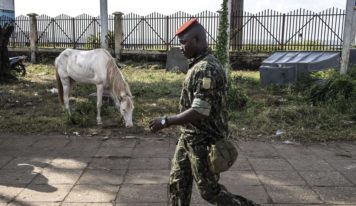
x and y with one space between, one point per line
337 90
236 95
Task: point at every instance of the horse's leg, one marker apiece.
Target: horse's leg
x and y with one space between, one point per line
66 88
99 102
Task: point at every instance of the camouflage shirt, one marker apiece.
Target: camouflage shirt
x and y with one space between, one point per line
204 90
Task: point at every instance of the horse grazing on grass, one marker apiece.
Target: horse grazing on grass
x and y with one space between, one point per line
94 67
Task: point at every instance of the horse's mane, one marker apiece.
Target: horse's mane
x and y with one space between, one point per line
116 81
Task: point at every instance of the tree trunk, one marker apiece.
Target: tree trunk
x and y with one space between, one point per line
5 33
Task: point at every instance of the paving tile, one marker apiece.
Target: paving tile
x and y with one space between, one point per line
7 193
292 194
324 178
80 147
22 175
46 170
54 142
286 178
44 193
6 151
152 148
34 203
147 177
239 177
121 143
257 149
328 151
18 143
155 163
69 163
241 164
108 151
300 152
139 193
92 193
4 160
337 195
304 205
274 164
310 165
141 204
33 161
58 176
255 193
110 163
153 151
350 147
350 175
153 142
85 204
102 177
343 164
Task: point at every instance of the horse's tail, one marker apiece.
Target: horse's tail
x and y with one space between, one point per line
59 87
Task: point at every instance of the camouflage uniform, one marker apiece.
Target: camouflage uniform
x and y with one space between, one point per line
204 90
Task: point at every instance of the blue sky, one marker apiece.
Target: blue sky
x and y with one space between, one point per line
144 7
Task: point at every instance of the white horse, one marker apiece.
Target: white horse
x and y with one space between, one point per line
95 67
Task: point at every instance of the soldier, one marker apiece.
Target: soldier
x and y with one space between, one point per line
203 116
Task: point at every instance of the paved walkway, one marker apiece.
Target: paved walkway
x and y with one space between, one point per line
133 171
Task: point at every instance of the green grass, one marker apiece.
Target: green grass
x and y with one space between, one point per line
256 112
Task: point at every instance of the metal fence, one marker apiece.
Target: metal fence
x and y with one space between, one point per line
297 30
261 32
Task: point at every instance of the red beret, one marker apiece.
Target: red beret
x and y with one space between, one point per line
186 25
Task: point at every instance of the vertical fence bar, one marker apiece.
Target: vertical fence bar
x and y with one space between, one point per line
167 33
332 26
53 34
283 31
73 27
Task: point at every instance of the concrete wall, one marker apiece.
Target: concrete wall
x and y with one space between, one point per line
239 61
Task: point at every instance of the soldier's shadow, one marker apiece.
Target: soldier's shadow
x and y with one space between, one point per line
25 177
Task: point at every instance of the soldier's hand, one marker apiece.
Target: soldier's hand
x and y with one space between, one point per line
156 125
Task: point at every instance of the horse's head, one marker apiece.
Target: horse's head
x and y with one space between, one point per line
126 108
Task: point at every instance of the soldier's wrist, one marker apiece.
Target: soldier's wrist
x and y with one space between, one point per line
165 121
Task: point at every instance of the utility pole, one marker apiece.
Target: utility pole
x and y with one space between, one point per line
104 24
349 34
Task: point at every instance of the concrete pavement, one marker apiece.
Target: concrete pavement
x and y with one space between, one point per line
73 170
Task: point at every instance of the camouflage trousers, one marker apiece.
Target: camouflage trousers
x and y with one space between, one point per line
190 162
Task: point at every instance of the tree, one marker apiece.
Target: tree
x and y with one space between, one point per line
5 33
222 39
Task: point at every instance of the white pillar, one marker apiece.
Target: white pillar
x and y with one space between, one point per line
104 24
349 35
228 30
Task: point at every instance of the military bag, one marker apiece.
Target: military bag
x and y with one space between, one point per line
222 155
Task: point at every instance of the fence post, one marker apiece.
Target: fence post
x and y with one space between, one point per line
167 33
283 31
74 38
33 36
118 33
237 11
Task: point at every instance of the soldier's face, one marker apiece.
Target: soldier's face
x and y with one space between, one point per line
188 45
